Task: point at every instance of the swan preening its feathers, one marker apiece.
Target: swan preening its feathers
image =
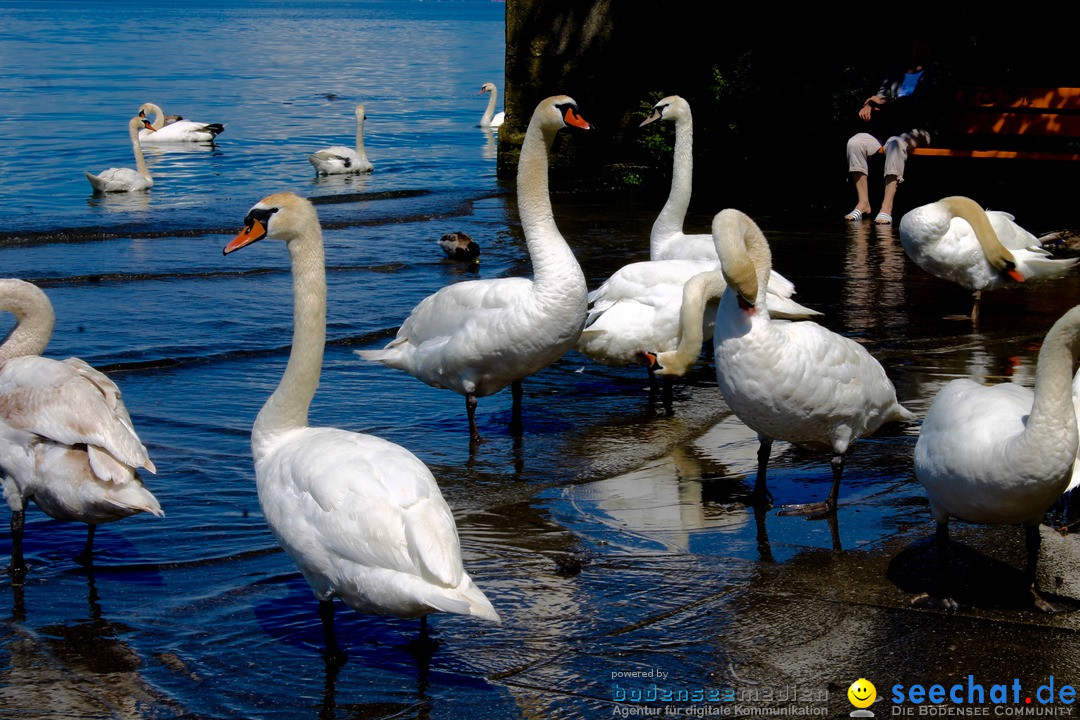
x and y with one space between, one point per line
1004 454
490 118
479 336
173 128
126 179
955 239
66 439
362 518
793 381
342 160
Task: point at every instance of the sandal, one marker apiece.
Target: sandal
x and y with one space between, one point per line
883 219
854 216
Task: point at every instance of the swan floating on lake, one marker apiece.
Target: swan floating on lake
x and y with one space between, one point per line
126 179
162 129
342 160
490 118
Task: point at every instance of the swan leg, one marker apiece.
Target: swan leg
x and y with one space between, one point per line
761 494
515 410
18 564
470 409
1033 540
86 557
943 599
827 507
333 655
976 299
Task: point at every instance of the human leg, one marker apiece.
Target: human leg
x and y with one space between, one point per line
860 147
896 153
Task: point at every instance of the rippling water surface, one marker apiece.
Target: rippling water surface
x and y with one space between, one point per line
610 536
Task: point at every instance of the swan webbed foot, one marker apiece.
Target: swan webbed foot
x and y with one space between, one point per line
927 600
811 511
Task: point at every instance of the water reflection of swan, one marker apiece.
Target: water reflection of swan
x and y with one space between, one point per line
362 518
342 160
477 337
125 179
66 439
1003 454
795 381
957 240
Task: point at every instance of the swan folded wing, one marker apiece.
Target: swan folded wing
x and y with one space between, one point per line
454 306
378 506
57 401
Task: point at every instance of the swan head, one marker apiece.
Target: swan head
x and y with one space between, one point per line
360 112
671 108
486 88
283 216
559 111
150 108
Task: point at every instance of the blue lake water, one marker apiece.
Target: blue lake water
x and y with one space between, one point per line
608 536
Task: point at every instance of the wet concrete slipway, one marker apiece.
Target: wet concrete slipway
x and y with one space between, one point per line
611 537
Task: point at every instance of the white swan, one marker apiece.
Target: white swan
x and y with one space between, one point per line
66 439
177 130
667 241
793 381
341 160
955 239
490 118
1003 454
638 310
479 336
125 179
362 518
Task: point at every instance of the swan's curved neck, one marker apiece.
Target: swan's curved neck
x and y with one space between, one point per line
1052 411
996 253
159 117
553 262
489 113
136 146
745 258
671 218
287 408
34 319
698 291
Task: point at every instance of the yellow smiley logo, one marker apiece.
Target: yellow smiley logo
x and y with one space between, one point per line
862 693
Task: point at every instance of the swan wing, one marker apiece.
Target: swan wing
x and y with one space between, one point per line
471 302
364 502
72 404
183 131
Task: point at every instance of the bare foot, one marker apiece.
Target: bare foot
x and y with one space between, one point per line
929 601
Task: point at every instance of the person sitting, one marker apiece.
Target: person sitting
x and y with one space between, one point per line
901 111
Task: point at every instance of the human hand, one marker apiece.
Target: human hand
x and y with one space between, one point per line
871 104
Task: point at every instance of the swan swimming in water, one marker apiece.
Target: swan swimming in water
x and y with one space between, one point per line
162 129
361 517
793 381
955 239
1003 454
479 336
342 160
126 179
66 439
490 118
